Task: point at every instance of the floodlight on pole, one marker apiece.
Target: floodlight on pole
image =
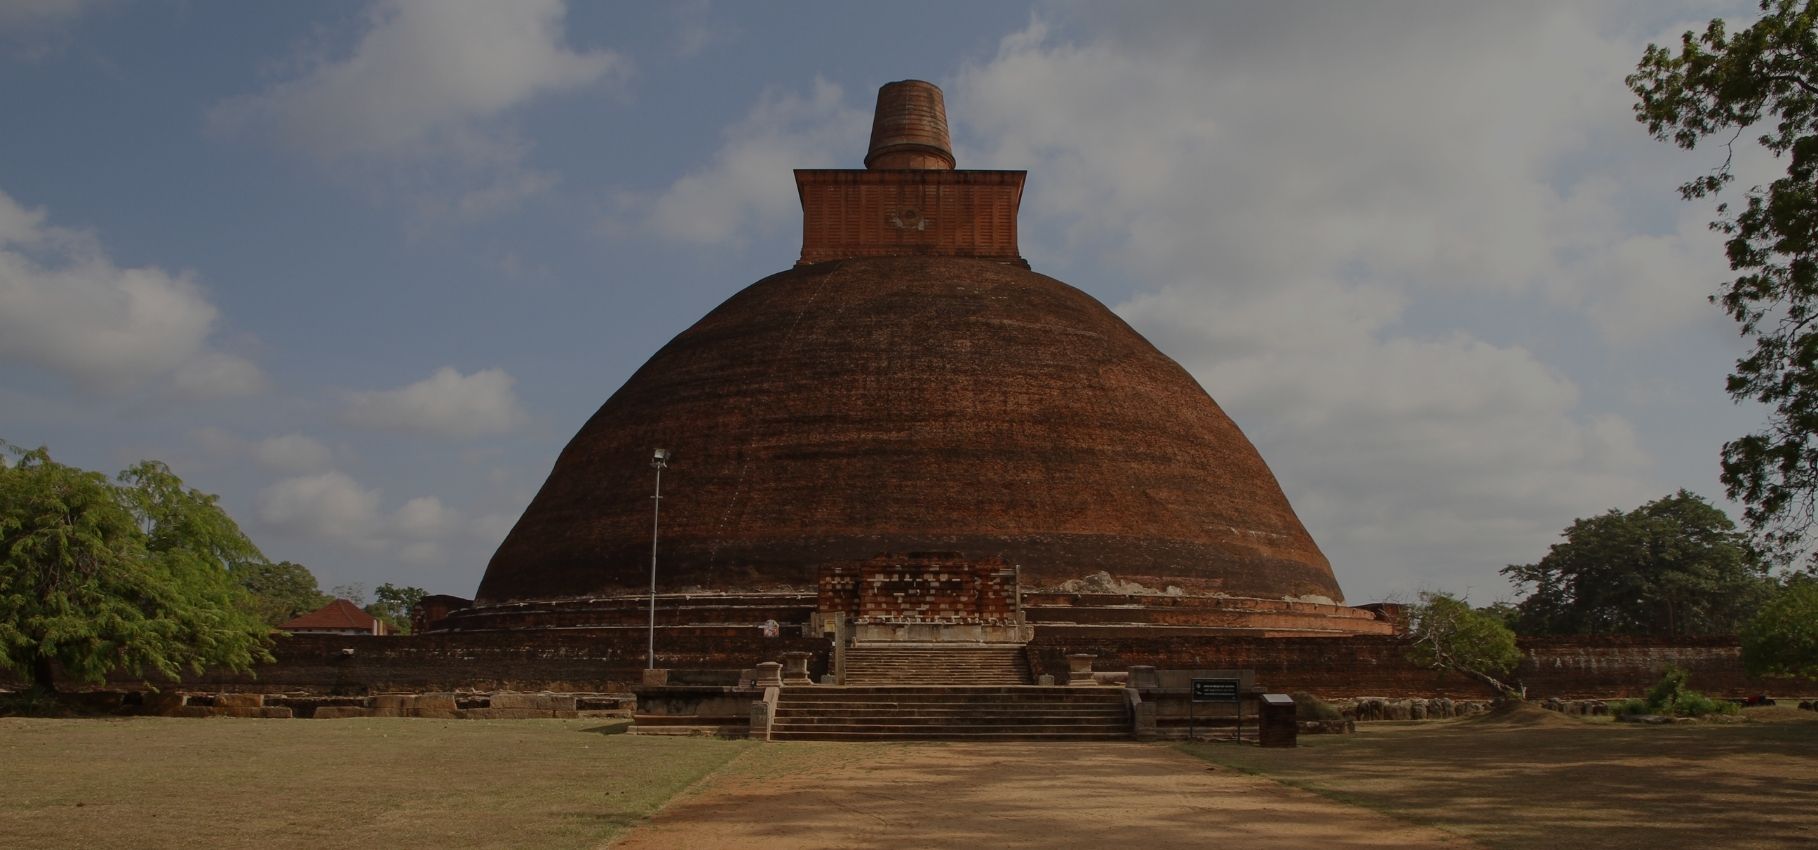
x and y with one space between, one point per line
658 461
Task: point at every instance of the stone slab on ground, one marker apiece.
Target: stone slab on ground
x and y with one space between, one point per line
1085 796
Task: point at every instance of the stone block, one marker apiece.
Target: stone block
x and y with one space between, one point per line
393 705
438 713
506 714
335 712
434 703
266 711
240 700
539 702
162 702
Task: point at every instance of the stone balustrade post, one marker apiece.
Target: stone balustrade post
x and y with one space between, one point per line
1079 668
769 675
795 668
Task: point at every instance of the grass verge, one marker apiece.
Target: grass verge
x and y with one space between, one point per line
282 784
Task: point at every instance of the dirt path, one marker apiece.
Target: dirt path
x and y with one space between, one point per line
1009 796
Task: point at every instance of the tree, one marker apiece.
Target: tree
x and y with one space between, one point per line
393 604
1674 566
1719 85
279 591
1782 639
1446 634
97 577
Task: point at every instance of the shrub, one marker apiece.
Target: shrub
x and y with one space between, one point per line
1310 707
1629 707
1670 696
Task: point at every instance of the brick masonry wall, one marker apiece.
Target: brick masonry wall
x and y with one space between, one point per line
591 660
1339 667
612 660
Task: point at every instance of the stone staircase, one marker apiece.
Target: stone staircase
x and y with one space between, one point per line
898 664
950 713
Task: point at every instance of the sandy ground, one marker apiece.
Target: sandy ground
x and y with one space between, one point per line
1008 796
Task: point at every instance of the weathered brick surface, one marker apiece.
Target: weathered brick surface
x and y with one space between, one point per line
335 712
837 411
561 660
848 214
1339 667
920 588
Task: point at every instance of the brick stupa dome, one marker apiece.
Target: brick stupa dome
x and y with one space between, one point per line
910 386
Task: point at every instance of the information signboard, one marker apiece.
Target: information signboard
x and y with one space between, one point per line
1214 690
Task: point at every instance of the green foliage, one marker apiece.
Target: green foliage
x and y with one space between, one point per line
279 591
393 604
1719 85
1671 697
1446 634
1782 640
97 577
1674 566
1310 707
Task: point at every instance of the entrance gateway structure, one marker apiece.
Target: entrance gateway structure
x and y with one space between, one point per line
941 467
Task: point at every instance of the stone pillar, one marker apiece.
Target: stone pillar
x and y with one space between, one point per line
658 676
795 668
769 675
1079 668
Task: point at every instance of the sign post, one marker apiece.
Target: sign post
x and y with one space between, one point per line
1216 691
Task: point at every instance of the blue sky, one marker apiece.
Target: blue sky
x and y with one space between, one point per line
362 268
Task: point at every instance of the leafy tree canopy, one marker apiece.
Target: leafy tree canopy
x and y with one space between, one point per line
1719 85
1445 633
393 604
1782 639
97 576
1674 566
279 591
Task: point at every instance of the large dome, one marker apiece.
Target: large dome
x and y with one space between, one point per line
853 407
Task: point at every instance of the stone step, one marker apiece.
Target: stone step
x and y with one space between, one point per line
1031 692
933 711
957 721
945 735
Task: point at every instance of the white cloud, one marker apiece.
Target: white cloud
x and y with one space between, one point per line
446 403
328 504
293 452
215 374
424 516
27 13
748 189
424 98
65 307
332 506
1282 188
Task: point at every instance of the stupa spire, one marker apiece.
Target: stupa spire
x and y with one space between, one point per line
909 129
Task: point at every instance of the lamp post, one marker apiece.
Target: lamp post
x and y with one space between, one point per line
658 462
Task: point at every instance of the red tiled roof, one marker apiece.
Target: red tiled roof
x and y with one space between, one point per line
339 614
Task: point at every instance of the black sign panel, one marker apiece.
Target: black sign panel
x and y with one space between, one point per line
1214 690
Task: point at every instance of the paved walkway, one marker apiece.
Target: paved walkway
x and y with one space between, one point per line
1008 796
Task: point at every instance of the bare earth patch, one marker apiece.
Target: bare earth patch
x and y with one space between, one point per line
1536 779
155 783
1007 796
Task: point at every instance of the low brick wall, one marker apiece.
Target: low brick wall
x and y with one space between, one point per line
569 660
1342 667
612 660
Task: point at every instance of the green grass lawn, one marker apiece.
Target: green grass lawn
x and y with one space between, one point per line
1540 780
152 783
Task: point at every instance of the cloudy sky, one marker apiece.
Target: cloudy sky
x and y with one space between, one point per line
362 268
